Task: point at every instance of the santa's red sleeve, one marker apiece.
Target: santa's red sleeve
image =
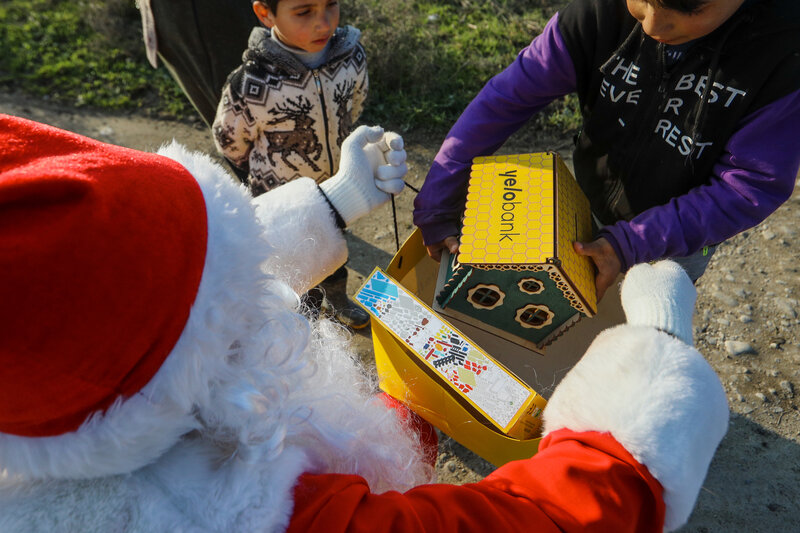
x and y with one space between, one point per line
630 433
577 482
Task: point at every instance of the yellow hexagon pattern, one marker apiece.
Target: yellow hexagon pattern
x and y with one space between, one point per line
510 213
574 224
524 210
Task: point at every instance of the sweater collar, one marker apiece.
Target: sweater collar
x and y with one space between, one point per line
310 59
262 46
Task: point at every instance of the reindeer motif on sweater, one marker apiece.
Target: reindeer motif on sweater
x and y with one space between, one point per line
279 120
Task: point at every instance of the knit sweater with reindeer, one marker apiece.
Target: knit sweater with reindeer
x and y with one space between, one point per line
279 119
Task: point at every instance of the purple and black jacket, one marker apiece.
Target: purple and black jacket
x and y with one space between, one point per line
670 161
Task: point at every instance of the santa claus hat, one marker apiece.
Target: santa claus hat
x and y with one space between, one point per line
119 269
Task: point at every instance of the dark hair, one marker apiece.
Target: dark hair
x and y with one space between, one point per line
684 6
271 4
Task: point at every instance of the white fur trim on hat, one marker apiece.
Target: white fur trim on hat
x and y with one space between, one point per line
658 397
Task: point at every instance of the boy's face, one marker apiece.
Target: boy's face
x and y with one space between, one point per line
675 27
303 24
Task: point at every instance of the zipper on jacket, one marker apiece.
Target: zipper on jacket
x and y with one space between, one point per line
324 120
663 71
645 131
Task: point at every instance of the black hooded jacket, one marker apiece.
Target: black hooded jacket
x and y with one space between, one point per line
653 132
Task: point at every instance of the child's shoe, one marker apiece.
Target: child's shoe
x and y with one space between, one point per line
311 303
346 311
338 305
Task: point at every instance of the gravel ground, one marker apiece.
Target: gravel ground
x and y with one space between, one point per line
746 325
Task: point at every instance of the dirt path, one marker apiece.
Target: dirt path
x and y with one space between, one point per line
746 326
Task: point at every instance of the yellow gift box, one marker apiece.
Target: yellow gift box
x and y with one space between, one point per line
404 375
407 375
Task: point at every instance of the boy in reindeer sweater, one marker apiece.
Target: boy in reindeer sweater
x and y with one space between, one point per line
286 110
147 386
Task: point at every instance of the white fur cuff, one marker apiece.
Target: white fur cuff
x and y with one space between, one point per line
300 225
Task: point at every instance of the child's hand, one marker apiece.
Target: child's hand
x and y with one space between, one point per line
372 167
435 249
605 260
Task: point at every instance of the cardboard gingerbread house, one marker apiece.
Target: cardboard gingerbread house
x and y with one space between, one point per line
516 274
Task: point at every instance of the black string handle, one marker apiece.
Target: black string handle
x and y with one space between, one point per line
394 216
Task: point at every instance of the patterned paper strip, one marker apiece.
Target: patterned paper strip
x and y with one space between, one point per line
464 366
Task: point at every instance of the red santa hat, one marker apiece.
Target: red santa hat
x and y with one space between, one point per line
115 265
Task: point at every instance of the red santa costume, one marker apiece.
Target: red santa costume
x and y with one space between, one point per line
156 376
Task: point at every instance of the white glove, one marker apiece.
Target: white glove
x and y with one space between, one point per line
660 295
372 167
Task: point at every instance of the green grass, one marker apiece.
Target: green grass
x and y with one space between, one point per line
426 59
54 52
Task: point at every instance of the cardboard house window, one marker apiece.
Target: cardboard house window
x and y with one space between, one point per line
530 286
485 296
535 316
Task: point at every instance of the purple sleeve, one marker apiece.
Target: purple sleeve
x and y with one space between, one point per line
542 72
753 177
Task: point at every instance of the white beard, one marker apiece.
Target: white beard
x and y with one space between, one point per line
305 405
